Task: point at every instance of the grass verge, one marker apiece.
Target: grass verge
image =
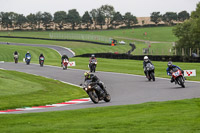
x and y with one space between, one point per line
155 117
22 90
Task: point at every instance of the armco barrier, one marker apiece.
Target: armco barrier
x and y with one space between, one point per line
140 57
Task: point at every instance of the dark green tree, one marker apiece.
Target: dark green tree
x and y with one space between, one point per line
94 14
38 19
108 12
129 19
117 19
87 19
60 18
188 32
46 20
169 17
156 17
100 18
182 16
20 20
6 22
73 18
32 21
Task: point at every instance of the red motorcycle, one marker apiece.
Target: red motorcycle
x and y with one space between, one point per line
178 77
65 64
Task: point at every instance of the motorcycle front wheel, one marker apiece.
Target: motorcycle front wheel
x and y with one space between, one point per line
93 96
152 76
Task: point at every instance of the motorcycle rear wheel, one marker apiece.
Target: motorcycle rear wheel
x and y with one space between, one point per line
93 96
107 98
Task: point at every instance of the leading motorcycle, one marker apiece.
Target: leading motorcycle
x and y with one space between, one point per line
150 72
94 92
178 77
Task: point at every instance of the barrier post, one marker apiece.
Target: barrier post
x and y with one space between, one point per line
190 52
182 51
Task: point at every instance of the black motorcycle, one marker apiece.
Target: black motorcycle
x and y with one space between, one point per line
150 72
94 92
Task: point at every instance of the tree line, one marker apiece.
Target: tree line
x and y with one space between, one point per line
103 16
188 34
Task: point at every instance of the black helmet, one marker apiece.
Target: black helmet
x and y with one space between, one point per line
169 64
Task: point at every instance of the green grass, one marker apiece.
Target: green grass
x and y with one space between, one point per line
155 117
153 34
22 90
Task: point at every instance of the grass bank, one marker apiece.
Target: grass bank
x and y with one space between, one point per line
25 90
83 48
156 117
153 33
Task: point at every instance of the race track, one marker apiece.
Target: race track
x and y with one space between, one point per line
123 88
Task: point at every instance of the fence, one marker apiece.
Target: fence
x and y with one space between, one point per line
74 36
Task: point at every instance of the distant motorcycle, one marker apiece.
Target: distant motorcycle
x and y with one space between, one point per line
65 64
93 65
93 90
41 61
150 72
16 58
28 60
178 77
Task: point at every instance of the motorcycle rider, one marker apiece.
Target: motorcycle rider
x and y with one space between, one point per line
92 59
170 67
145 62
15 53
64 57
94 78
41 55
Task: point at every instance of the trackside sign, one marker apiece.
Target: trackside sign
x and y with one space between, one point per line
189 73
72 63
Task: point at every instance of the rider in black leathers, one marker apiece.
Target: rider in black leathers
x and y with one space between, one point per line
145 62
94 78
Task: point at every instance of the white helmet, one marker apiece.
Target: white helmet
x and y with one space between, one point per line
146 58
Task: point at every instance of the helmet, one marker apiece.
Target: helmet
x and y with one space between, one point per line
146 58
93 55
27 52
169 64
86 74
41 54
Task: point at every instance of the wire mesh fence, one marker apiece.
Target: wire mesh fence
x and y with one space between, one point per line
85 37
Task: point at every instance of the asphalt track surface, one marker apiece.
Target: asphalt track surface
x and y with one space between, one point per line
124 88
59 49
